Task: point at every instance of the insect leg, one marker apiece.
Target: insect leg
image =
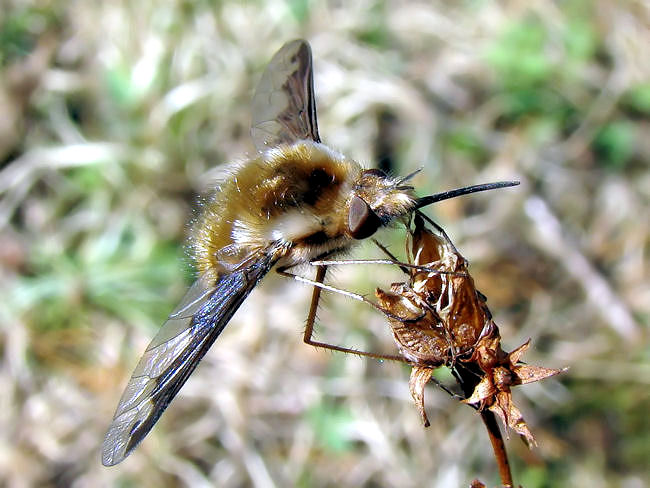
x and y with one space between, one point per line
311 320
385 250
320 285
311 317
403 266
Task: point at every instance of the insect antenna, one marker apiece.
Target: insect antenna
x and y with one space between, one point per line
406 178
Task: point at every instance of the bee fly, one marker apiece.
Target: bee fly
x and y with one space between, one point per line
297 200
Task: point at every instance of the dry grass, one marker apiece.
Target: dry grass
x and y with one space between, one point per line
115 112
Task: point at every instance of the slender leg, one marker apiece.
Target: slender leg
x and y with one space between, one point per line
320 285
311 317
392 260
385 250
403 266
316 283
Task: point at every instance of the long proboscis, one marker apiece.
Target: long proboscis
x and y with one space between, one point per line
446 195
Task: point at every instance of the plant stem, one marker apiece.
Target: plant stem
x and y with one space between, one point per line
468 377
498 446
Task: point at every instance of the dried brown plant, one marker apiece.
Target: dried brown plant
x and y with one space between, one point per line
439 318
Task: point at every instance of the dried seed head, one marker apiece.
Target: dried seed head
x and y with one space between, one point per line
439 318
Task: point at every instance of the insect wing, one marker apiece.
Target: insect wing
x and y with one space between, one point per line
284 109
174 352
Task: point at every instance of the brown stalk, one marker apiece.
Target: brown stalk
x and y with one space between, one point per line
468 382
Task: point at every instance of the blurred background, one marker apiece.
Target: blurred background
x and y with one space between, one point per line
116 114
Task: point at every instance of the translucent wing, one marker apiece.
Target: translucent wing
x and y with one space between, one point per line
284 109
175 351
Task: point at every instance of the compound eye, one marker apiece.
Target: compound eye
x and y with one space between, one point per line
362 221
373 172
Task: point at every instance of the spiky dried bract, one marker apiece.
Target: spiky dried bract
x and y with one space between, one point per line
503 371
440 318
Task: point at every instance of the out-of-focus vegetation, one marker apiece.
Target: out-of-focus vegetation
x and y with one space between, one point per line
114 116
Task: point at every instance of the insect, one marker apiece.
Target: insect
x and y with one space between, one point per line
297 200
